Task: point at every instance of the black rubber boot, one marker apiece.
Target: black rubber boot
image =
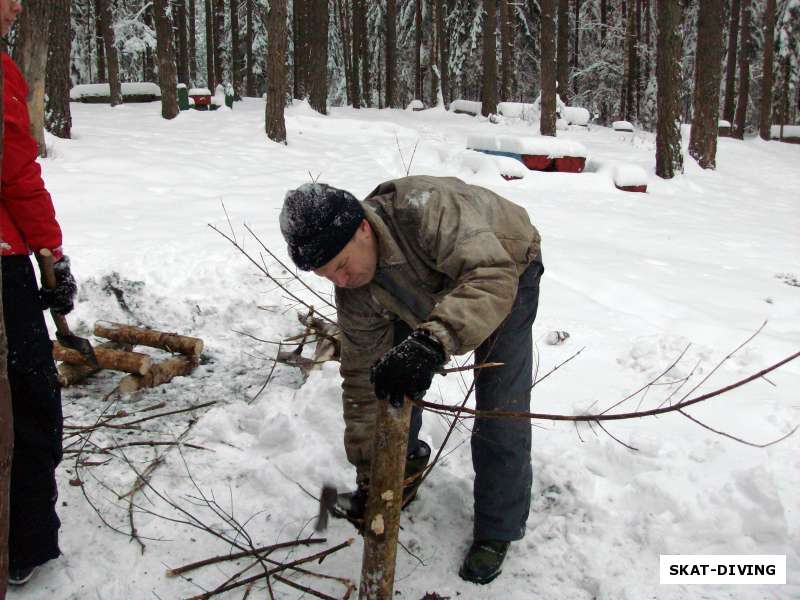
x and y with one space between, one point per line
484 561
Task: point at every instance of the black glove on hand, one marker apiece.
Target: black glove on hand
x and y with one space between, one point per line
408 367
59 299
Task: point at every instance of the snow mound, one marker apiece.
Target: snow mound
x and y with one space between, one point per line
510 167
576 115
622 126
415 105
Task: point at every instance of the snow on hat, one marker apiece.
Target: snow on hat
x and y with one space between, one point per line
317 221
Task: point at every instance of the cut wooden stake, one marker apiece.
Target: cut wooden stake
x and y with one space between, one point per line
129 334
159 373
382 522
71 374
117 360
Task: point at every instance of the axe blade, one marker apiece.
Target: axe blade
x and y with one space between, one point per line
82 345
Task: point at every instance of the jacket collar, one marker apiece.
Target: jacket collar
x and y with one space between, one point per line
389 253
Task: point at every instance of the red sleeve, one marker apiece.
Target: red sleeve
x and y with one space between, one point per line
23 192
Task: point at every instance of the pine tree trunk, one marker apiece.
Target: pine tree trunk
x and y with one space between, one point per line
356 54
635 67
249 79
547 123
318 80
363 52
576 47
277 84
418 50
708 73
112 58
489 87
765 122
626 102
562 58
148 68
167 72
391 53
506 51
30 53
787 71
219 39
179 12
342 17
444 51
301 36
745 54
237 69
433 54
603 21
669 14
6 414
212 79
647 41
730 67
190 17
58 118
100 44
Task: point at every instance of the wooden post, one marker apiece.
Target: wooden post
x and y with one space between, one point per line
162 372
116 360
382 522
128 334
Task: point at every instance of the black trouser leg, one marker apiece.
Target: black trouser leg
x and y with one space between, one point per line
36 404
501 447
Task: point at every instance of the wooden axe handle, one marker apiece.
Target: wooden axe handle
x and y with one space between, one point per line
45 259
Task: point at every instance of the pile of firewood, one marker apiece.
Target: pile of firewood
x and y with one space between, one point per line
117 354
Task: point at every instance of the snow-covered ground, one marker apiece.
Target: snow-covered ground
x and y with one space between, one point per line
699 261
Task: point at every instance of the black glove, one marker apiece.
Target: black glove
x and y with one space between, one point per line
408 367
59 299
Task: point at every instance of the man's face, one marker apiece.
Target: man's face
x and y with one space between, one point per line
9 11
355 265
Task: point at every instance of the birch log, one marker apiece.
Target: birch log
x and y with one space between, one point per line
382 522
128 334
161 372
116 360
71 374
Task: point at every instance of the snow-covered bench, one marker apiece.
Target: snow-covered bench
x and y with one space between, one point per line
576 115
415 105
791 133
630 178
101 92
466 107
624 126
541 153
724 128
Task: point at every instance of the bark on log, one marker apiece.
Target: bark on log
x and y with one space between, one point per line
161 372
129 334
116 360
71 374
385 501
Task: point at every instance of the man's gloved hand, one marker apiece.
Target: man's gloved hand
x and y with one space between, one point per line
60 298
408 367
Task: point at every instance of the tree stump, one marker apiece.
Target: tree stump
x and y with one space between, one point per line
382 519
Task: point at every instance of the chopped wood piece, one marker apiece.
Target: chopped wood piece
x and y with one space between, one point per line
117 360
71 374
161 372
129 334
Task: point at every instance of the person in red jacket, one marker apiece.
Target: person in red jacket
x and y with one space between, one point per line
28 224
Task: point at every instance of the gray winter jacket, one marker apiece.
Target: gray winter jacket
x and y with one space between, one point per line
450 257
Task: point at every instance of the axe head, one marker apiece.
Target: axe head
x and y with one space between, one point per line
80 344
327 503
